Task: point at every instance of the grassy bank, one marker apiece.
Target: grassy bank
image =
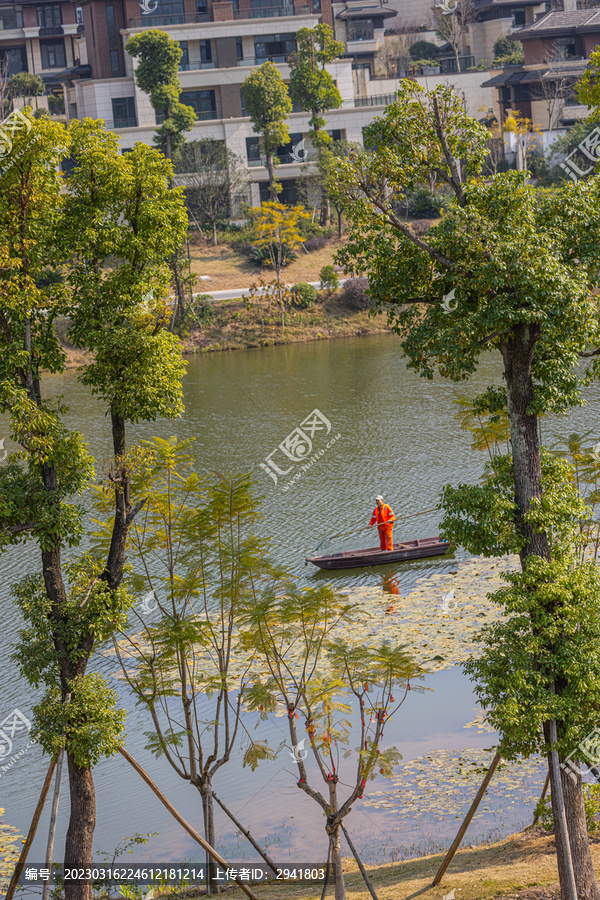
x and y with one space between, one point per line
521 867
232 326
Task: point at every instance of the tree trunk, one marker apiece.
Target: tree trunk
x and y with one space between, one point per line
517 353
336 860
80 834
214 234
271 170
340 227
208 808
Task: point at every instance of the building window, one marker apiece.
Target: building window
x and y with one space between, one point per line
114 62
266 8
185 57
79 15
49 16
203 102
239 48
335 135
316 6
244 113
201 7
565 48
15 58
205 51
53 55
518 18
276 47
124 115
10 18
167 13
360 31
110 16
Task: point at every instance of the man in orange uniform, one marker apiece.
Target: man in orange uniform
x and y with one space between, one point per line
385 518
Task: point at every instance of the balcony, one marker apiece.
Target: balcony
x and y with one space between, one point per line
195 66
51 30
121 123
268 12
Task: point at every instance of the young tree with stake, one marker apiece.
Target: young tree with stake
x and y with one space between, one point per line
523 269
267 102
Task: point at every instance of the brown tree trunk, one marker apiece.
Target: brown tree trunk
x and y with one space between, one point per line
517 353
336 860
214 234
340 227
80 834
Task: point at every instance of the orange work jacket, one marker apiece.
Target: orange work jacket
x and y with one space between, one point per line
383 516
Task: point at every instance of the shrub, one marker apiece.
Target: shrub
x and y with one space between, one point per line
591 802
315 243
422 204
199 310
56 104
355 293
329 279
260 256
423 50
304 295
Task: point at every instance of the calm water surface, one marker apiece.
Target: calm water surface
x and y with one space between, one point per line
398 437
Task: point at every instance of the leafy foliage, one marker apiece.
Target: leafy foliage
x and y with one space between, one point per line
304 295
267 102
329 280
423 50
311 85
591 801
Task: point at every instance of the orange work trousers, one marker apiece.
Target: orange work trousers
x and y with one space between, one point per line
385 537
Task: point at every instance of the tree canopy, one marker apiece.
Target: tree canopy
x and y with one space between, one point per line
267 102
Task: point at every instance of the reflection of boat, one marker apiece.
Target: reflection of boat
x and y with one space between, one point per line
373 556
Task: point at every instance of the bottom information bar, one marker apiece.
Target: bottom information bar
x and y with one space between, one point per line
171 873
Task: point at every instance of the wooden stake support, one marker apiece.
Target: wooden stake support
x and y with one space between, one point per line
32 830
467 821
184 824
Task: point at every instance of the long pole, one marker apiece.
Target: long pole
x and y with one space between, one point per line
562 816
53 818
363 871
184 824
32 830
467 821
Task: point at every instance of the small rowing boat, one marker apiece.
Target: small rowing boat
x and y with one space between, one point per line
373 556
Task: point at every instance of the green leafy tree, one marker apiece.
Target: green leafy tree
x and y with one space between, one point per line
588 89
423 50
323 684
314 89
216 179
267 102
507 269
197 562
25 84
156 74
108 226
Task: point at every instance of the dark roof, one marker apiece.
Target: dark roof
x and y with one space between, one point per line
529 76
560 22
367 12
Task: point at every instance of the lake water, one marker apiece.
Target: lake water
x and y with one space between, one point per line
397 437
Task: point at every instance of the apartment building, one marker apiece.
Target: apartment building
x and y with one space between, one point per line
556 47
41 37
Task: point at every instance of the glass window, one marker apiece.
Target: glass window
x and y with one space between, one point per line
53 54
114 62
276 47
252 149
10 18
185 59
239 48
79 15
168 12
564 48
49 16
518 17
203 102
124 115
201 6
205 51
16 58
266 8
110 16
360 31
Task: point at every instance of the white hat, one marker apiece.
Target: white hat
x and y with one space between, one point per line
379 497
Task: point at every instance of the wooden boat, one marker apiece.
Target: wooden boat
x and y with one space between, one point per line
373 556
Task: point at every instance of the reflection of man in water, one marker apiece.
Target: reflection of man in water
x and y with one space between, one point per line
383 515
